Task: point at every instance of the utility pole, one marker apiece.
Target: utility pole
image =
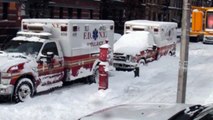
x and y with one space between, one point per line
183 64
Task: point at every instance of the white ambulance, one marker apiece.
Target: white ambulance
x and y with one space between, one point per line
48 52
144 41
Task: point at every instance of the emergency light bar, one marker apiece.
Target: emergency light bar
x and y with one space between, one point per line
43 35
36 27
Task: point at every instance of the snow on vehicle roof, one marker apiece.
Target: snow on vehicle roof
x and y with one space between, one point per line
34 33
133 42
195 10
37 24
149 23
67 20
32 39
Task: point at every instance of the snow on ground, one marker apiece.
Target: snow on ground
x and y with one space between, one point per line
157 84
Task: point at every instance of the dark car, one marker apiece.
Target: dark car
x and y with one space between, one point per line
153 112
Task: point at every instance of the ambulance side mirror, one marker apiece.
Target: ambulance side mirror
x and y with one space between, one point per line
154 47
50 56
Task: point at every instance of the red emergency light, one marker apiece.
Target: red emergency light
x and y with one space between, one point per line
25 27
155 30
64 28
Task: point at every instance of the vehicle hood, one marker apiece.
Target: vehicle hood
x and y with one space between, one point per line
8 60
137 112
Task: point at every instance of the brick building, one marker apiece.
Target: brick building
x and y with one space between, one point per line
12 11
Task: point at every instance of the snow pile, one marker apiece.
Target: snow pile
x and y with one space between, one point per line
133 42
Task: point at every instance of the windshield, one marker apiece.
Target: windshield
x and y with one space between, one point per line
209 20
27 47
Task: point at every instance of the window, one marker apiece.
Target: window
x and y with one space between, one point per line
5 11
50 47
79 13
91 14
51 12
60 12
70 11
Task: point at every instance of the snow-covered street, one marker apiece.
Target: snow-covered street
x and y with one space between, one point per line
157 84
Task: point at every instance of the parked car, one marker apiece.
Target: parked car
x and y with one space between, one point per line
153 112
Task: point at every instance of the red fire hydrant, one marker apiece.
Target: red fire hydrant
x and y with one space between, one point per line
103 54
103 76
103 70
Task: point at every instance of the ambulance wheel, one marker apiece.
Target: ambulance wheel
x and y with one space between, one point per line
23 90
142 61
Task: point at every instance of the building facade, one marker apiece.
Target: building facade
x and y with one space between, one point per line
12 11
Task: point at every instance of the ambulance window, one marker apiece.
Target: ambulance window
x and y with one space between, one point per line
50 47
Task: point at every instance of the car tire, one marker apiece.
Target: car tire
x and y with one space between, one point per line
23 90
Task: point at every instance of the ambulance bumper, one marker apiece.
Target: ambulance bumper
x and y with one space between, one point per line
6 89
124 65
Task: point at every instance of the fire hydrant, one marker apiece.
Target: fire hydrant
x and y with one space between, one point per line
103 66
103 76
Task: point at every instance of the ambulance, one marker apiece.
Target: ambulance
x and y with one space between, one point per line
48 52
144 41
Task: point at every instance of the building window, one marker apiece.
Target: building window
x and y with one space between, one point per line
5 11
60 12
91 14
79 13
70 12
51 12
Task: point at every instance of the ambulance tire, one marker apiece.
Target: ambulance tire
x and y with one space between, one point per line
142 61
23 90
